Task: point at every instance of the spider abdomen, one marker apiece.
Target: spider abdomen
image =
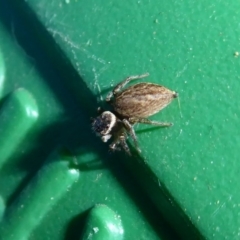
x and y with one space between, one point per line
142 100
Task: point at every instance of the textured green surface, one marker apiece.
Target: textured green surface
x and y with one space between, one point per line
18 114
45 189
103 223
64 56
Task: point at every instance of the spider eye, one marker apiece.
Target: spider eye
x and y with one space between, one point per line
104 123
99 124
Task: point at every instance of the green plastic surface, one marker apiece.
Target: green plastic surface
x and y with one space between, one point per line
103 223
58 60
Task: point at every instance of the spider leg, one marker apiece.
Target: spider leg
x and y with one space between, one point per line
132 133
150 122
105 138
114 146
120 140
124 144
122 84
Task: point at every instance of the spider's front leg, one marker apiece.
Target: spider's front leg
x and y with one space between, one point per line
114 146
122 84
120 140
132 133
124 144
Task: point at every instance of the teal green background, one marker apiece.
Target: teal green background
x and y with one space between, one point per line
66 56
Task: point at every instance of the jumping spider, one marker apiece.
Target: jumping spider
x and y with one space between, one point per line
130 106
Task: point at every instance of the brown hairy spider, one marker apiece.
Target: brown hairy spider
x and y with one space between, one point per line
130 106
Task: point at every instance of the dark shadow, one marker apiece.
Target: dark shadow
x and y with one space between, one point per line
76 226
56 70
3 100
51 63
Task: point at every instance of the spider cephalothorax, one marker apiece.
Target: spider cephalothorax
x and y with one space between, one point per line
132 105
104 124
